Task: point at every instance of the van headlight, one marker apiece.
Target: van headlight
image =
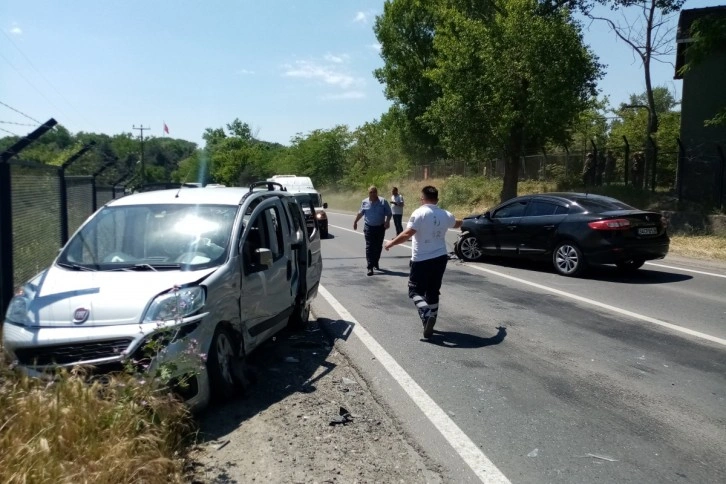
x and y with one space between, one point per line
19 307
175 304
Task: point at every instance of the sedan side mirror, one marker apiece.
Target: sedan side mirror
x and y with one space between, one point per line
487 215
325 205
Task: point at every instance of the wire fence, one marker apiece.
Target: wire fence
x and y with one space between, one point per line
40 206
693 173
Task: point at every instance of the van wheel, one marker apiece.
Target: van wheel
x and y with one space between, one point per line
568 260
223 364
299 317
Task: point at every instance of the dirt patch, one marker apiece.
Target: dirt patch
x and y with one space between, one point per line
309 417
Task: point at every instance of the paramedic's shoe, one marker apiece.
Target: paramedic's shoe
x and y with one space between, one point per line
429 326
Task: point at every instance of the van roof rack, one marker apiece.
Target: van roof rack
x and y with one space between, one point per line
270 186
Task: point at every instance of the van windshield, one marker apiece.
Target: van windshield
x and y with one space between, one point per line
154 237
314 197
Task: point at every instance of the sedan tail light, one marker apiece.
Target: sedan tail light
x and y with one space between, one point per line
611 224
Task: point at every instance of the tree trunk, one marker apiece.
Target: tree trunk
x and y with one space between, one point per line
512 162
511 176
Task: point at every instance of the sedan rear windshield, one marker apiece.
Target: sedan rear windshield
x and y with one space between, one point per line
153 237
599 205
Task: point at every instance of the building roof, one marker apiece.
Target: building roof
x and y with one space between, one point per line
683 34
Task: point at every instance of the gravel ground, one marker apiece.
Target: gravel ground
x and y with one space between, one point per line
308 417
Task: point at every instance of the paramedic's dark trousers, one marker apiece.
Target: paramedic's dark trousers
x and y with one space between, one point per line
424 283
374 235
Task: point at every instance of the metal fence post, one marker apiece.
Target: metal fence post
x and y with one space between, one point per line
626 160
722 172
654 162
680 168
7 272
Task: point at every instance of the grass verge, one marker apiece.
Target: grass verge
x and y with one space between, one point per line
69 430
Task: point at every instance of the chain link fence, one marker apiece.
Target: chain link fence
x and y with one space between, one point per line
41 206
641 165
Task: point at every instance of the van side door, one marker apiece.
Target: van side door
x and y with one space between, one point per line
267 297
314 256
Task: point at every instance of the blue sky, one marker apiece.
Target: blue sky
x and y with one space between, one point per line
283 66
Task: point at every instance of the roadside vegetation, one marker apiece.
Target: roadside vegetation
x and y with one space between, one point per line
119 430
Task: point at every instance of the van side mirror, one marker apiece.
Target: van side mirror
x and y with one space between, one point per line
263 258
298 240
325 205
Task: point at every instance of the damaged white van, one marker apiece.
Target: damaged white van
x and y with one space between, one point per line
207 274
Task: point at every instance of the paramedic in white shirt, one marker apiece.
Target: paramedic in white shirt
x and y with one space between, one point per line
428 225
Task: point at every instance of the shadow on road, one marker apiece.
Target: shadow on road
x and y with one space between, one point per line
454 339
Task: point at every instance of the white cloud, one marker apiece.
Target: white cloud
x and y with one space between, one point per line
345 95
364 17
328 74
337 59
244 72
376 46
16 30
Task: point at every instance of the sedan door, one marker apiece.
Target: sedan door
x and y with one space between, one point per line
498 234
537 229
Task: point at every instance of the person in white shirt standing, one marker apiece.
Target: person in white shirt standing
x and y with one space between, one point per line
428 225
397 209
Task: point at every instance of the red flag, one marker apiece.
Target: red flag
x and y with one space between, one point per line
166 128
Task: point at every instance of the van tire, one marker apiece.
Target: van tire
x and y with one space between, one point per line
224 365
299 317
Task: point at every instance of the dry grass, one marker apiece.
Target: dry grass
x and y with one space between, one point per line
477 196
71 431
699 246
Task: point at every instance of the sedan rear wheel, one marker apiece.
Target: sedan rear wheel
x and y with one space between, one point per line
467 248
568 260
630 265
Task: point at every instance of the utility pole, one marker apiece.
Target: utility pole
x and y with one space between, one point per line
143 172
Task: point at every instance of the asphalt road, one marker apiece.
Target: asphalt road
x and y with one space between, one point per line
534 377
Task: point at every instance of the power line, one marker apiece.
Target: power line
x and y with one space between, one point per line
20 112
31 85
10 132
18 124
43 76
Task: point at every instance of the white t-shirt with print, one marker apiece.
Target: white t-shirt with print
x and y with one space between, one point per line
430 223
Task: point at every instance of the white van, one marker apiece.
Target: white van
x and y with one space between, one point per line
203 271
302 187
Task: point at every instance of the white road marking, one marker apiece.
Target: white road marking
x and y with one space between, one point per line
686 270
608 307
479 463
592 302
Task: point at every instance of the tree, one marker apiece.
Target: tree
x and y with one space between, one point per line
648 37
505 88
321 154
405 31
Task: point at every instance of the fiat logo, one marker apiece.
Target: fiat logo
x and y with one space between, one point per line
80 315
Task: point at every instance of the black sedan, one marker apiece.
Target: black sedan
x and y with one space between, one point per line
573 230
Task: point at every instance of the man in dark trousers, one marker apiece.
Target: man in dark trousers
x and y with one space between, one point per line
377 218
428 225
